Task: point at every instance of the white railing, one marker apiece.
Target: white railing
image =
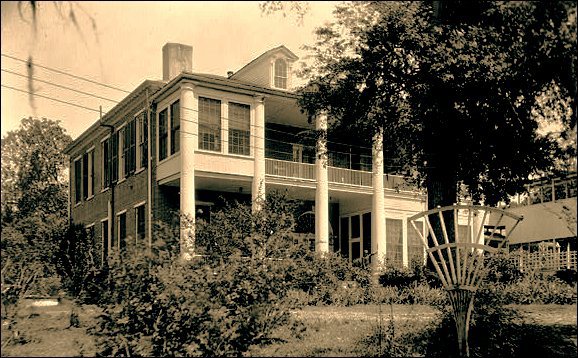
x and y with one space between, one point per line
289 169
349 176
284 168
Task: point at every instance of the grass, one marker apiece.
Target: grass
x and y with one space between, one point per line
46 332
317 331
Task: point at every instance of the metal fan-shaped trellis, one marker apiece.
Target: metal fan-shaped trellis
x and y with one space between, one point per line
459 259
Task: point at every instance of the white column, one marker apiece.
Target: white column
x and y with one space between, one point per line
188 138
258 189
378 203
322 192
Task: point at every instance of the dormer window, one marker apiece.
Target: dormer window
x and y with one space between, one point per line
280 73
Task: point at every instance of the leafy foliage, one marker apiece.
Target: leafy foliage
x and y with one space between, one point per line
233 294
34 198
447 86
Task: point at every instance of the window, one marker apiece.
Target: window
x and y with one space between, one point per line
209 124
114 157
85 176
239 128
140 221
415 249
280 73
366 222
464 234
175 127
77 181
344 231
394 242
163 134
104 242
121 231
88 174
106 163
128 145
142 136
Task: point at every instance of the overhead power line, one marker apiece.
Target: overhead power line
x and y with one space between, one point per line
60 86
51 98
67 74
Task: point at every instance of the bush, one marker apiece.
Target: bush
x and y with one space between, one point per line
218 304
538 288
79 266
416 273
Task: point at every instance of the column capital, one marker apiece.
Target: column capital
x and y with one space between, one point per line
188 86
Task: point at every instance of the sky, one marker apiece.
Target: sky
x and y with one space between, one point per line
123 47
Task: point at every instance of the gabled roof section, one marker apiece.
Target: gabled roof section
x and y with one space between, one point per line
280 49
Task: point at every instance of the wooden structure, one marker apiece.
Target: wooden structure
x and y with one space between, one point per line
459 261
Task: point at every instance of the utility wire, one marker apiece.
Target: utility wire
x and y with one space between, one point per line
64 73
60 86
50 98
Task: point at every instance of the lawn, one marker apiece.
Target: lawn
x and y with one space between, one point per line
318 331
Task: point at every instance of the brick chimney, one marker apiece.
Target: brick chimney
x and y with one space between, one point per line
176 59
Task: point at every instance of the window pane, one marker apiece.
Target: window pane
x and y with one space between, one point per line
239 128
355 228
394 242
140 222
114 157
142 139
85 175
415 249
280 74
464 234
106 163
104 233
132 146
77 181
122 231
175 127
344 237
209 124
366 218
163 134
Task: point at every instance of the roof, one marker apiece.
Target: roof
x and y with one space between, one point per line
154 86
224 83
281 48
545 221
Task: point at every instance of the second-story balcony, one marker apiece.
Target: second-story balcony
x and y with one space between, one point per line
336 175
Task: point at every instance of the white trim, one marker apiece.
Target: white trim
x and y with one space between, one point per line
102 243
89 225
136 217
90 173
121 212
140 204
79 158
162 105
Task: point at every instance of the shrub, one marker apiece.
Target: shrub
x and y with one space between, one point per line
219 304
538 288
78 265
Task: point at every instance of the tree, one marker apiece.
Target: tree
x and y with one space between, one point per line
460 89
34 192
34 178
